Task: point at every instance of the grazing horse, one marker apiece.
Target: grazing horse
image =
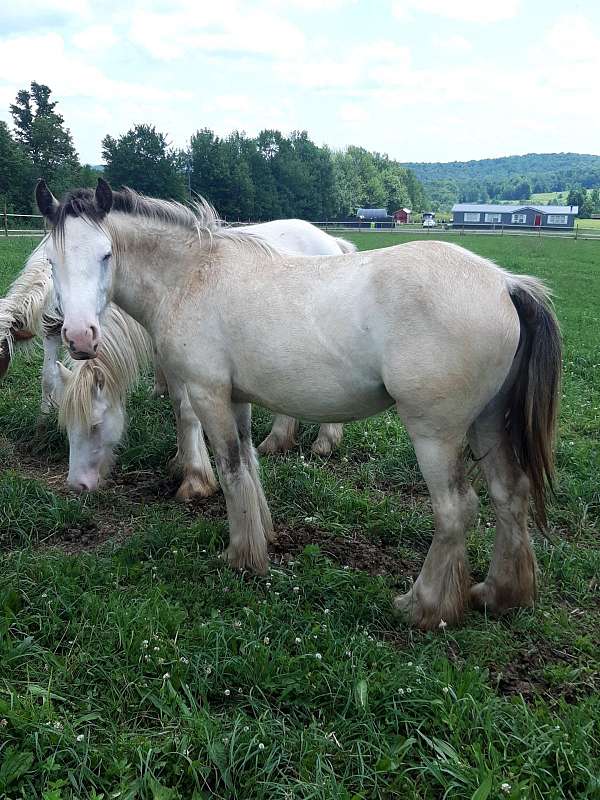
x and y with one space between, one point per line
459 346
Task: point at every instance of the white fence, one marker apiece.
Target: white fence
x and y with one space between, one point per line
7 218
443 229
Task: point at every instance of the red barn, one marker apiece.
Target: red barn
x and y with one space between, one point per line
402 215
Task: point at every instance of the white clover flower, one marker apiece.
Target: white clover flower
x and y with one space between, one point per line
268 584
318 656
237 623
80 737
58 726
246 729
45 594
226 740
266 640
296 589
400 691
3 722
227 692
184 660
348 653
410 663
442 624
166 676
408 690
326 611
506 787
208 670
156 648
297 640
445 690
261 746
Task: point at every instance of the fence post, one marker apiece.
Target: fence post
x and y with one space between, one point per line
5 221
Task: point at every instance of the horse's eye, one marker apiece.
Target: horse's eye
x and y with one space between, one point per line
106 257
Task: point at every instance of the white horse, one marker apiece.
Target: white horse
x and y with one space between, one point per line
458 345
92 401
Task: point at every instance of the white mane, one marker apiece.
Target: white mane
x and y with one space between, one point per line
125 350
24 303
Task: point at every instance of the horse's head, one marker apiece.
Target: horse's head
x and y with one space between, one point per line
94 421
81 257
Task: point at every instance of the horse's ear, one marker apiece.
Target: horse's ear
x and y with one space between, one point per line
104 196
46 202
64 373
99 378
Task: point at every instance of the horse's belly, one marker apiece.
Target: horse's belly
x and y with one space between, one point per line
314 403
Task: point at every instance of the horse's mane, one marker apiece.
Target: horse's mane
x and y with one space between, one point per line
125 350
22 307
199 217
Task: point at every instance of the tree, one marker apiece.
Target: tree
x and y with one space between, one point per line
40 131
143 160
16 174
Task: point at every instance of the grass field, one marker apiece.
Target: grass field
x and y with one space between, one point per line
134 664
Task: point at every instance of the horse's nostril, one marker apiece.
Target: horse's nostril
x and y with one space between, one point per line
95 348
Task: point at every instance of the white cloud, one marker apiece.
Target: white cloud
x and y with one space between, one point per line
95 37
454 44
480 11
26 58
227 27
353 113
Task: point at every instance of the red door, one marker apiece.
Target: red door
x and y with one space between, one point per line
538 220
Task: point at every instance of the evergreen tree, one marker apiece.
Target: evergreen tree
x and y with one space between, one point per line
40 130
16 174
143 160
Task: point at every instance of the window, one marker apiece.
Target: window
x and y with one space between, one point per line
557 219
472 216
519 219
493 217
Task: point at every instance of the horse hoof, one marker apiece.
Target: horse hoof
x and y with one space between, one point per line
252 562
321 447
272 445
426 617
495 601
195 488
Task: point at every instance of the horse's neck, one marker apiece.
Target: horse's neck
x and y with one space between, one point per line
154 272
141 275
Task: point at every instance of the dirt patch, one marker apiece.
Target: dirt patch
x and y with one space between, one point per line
524 675
356 551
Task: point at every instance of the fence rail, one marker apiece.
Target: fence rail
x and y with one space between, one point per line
443 230
6 216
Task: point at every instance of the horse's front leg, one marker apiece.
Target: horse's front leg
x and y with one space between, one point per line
160 388
50 375
248 527
192 457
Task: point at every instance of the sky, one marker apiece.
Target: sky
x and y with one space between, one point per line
421 80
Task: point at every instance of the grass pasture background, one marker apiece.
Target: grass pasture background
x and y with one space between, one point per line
133 664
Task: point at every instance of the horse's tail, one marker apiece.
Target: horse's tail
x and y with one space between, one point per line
21 310
534 396
346 246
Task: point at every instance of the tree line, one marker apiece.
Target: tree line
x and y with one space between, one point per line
247 178
510 178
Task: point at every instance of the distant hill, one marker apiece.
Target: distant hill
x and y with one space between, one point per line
507 178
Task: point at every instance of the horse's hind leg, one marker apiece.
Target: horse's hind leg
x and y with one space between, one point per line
282 436
511 578
330 436
441 592
192 454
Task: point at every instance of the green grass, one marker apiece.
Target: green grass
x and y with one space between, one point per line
144 668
